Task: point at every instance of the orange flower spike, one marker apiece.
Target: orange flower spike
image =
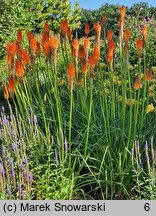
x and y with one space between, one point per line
110 57
19 68
46 27
86 43
53 42
8 47
97 27
11 86
122 13
84 67
111 45
69 34
110 35
44 38
38 48
11 49
104 20
81 52
148 75
73 53
19 52
29 35
5 92
33 45
91 61
46 48
87 29
19 36
75 44
144 32
127 35
71 72
9 61
26 58
96 53
139 46
80 81
137 83
64 27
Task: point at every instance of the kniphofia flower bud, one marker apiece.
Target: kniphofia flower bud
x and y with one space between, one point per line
87 29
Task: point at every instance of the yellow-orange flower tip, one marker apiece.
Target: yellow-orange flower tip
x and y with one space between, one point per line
144 32
122 12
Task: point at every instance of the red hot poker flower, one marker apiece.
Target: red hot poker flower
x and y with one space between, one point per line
5 92
96 53
46 48
139 46
110 35
33 45
144 32
104 19
71 72
122 13
127 35
11 86
148 75
19 68
19 36
87 29
38 48
46 27
26 58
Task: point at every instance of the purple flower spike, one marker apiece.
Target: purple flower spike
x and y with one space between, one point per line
26 160
146 146
140 163
29 120
3 109
14 147
30 178
8 191
35 120
56 156
132 152
30 110
2 172
66 145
